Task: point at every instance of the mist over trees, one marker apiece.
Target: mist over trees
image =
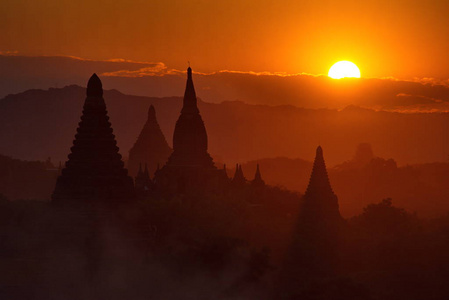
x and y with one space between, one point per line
228 247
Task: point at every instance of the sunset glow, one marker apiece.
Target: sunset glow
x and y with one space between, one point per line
225 149
344 69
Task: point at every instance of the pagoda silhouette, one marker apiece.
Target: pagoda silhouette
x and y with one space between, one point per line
190 167
314 250
258 181
320 204
151 147
239 178
94 171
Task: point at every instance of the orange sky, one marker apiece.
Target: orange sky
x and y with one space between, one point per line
403 39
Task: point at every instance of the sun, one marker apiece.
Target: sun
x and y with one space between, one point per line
344 69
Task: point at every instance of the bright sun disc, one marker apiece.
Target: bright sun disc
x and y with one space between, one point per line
344 69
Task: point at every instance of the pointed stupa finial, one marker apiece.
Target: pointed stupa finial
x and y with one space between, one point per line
94 87
190 102
258 172
189 72
319 151
239 178
236 173
258 181
319 179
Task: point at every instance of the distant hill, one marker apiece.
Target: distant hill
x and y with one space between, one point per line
19 73
37 124
41 123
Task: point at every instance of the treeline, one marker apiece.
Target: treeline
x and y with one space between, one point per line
27 179
231 246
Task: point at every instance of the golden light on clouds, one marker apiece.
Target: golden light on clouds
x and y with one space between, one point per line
386 37
343 69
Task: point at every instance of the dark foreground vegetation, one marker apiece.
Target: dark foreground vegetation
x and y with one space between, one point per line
232 246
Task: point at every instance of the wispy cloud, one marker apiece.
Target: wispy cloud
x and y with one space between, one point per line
9 53
77 58
270 88
266 73
422 80
431 81
160 69
154 69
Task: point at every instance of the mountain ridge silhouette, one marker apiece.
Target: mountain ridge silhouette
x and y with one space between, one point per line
37 124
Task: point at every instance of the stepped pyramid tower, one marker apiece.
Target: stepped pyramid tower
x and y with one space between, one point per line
190 167
94 171
258 181
151 146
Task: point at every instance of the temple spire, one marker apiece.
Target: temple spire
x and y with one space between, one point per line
190 137
190 102
239 178
190 167
236 173
319 180
258 181
320 202
314 250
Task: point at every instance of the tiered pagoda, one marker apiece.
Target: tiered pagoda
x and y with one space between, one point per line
190 168
150 148
94 171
